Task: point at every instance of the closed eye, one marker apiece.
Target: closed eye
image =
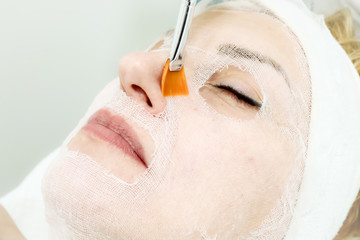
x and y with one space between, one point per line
240 96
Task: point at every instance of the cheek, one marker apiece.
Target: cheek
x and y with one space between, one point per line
224 169
250 156
207 142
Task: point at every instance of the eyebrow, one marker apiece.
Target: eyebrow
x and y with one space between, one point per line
235 51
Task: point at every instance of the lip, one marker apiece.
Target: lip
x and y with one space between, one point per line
114 129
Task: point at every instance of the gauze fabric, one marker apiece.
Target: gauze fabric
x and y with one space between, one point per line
86 201
108 192
113 209
332 172
332 176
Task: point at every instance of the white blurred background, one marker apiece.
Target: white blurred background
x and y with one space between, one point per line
56 55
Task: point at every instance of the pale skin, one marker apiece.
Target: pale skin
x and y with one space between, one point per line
260 33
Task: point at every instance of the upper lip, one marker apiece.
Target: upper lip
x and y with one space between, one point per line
120 126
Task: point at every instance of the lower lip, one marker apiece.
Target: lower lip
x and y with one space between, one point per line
111 137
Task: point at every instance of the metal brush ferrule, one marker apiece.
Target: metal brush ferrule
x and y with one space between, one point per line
181 33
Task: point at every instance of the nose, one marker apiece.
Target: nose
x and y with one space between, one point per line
140 78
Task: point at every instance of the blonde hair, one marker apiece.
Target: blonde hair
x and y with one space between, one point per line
342 28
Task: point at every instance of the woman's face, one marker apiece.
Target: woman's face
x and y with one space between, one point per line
216 163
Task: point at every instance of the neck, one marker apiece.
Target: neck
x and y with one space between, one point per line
8 229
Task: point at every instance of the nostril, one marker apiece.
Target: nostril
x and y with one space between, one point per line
148 102
142 96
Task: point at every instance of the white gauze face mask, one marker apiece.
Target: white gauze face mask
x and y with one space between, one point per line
225 162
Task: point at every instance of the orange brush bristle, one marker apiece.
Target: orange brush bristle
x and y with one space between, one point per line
173 83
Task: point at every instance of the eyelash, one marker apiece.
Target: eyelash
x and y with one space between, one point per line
240 96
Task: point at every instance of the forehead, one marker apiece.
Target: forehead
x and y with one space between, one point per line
256 31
